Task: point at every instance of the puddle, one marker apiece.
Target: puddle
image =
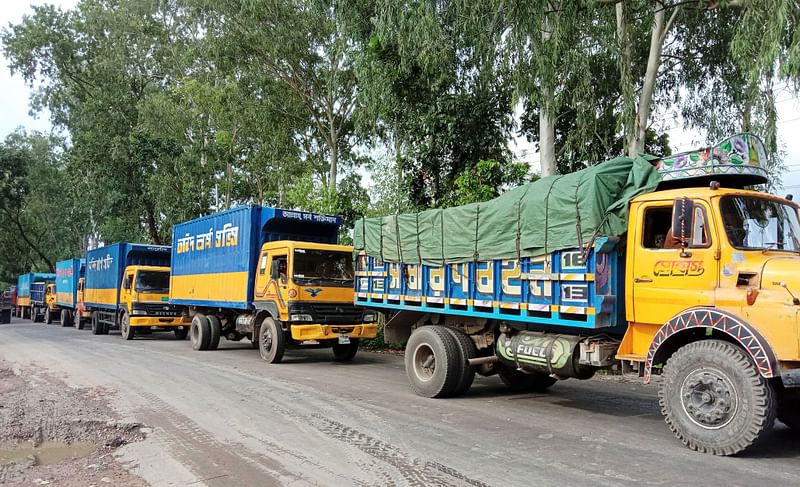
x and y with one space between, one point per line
47 453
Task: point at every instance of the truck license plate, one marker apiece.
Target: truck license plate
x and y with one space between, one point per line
344 340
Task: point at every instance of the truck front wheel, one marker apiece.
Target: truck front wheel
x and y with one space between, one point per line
271 341
125 328
200 332
714 399
77 320
345 353
433 362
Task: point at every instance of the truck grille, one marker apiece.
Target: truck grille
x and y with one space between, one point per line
158 309
329 313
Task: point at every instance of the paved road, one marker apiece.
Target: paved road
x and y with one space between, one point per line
226 418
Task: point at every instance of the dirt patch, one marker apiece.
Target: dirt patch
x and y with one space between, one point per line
53 434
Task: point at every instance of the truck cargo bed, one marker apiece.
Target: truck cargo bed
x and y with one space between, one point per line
564 288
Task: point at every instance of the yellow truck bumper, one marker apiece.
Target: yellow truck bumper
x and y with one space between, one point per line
329 332
158 321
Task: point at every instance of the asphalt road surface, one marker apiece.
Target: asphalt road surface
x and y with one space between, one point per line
223 418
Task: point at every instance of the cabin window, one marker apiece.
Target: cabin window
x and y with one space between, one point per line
657 222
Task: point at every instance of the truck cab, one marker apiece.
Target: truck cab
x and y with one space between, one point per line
43 301
144 302
739 253
308 287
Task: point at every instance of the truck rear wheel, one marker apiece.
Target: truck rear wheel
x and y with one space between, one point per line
200 332
467 348
97 325
271 341
714 399
215 329
433 362
345 353
518 381
65 318
125 328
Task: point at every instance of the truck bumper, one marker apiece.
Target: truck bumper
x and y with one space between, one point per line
329 332
160 321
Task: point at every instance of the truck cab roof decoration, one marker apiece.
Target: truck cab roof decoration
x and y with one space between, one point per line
740 159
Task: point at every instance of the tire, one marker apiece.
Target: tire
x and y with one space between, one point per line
48 316
699 400
433 362
65 318
200 332
125 328
181 334
215 329
345 353
97 327
467 349
271 341
77 320
518 381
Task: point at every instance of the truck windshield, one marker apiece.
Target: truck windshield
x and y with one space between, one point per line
760 223
323 266
154 282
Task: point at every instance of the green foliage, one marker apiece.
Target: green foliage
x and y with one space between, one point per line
487 178
176 109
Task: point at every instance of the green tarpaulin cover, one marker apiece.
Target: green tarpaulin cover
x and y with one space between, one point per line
553 213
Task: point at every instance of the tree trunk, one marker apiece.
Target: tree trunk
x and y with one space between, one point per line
334 159
547 142
152 227
27 240
657 35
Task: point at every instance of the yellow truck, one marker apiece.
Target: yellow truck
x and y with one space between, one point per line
127 288
667 266
274 276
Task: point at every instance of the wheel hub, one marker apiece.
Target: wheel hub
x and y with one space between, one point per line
709 398
266 337
424 362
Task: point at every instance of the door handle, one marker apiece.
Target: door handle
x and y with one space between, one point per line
642 279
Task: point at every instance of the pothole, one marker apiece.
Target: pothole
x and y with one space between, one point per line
47 453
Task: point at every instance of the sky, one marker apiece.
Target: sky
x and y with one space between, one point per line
14 96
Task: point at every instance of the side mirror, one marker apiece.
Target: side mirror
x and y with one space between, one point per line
683 222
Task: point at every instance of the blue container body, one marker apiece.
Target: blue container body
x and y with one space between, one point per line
214 257
105 267
24 282
562 289
68 272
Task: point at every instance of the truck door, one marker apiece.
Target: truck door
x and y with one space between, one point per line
667 280
272 279
125 291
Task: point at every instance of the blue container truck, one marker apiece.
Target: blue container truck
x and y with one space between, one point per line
127 287
274 276
24 282
68 274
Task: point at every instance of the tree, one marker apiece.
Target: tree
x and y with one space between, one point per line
300 45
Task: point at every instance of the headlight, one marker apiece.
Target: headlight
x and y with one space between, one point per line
138 312
301 317
370 317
